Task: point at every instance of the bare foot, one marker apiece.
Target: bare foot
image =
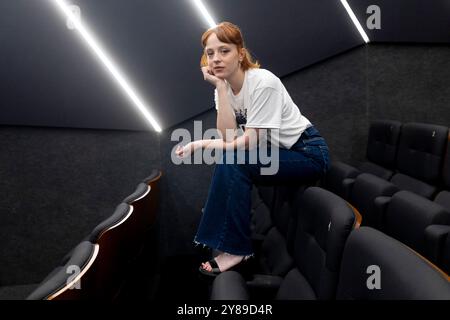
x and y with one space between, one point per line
225 261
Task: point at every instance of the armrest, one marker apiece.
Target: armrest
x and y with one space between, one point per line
257 240
381 204
264 286
435 236
347 185
265 281
229 285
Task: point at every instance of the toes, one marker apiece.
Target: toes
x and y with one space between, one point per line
206 266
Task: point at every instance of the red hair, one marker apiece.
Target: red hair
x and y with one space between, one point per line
229 33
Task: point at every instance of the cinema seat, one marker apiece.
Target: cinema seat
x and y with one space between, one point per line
324 221
378 267
380 157
73 279
408 215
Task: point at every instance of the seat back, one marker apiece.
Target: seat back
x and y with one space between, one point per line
277 247
378 267
261 221
408 215
324 222
446 166
445 259
382 142
73 280
421 152
145 206
117 247
443 197
153 179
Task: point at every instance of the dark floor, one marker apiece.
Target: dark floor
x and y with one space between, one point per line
181 281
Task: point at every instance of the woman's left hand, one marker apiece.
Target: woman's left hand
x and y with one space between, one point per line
187 150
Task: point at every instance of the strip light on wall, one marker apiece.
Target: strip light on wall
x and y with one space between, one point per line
355 21
205 13
112 68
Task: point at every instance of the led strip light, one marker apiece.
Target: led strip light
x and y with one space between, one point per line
355 21
112 68
205 13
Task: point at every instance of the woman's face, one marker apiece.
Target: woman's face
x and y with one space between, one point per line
223 58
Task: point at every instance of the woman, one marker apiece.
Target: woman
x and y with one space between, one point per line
256 100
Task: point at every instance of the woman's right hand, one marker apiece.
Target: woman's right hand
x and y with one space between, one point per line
187 150
209 76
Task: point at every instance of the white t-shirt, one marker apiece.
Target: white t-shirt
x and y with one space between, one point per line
264 102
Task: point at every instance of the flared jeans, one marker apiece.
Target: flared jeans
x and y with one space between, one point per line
225 223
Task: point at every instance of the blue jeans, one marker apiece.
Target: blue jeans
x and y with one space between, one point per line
225 224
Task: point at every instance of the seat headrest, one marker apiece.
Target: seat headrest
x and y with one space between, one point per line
119 214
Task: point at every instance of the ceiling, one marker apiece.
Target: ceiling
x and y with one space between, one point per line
50 77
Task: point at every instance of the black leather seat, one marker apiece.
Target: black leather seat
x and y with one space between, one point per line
262 203
443 197
153 178
444 261
437 245
117 248
73 279
144 204
407 216
378 267
419 161
420 157
324 221
380 153
364 191
438 236
274 256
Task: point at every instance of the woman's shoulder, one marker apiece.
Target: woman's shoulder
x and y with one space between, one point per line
261 78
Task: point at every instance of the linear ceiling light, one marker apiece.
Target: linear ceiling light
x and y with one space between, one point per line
205 13
112 68
355 21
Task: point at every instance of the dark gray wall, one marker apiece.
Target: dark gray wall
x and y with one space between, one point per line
51 78
409 83
56 185
418 21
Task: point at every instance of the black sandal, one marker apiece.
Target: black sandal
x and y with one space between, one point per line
243 267
215 269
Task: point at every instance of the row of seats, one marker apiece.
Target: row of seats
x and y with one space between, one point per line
327 256
97 267
403 189
410 156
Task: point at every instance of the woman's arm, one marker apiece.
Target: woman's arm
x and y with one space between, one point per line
247 141
226 121
225 114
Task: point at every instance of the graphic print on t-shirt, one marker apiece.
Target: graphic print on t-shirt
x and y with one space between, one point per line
241 118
